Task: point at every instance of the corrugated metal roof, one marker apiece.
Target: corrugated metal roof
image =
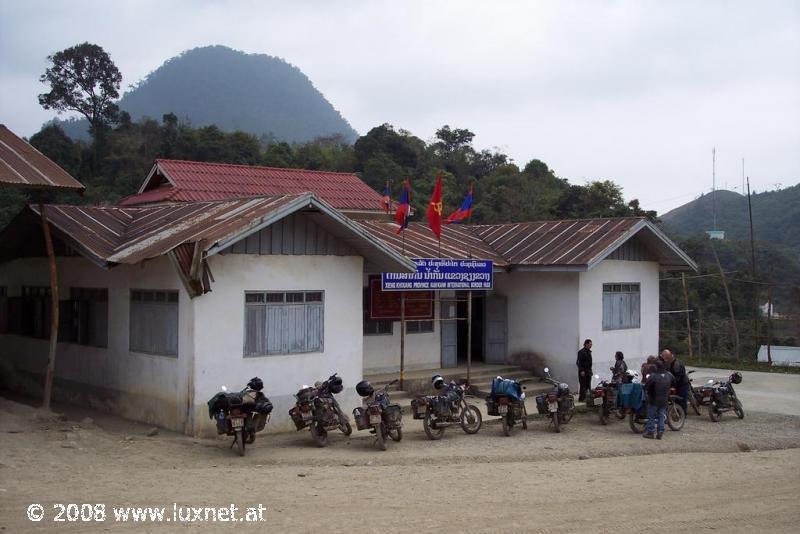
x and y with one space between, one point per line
193 181
24 166
575 244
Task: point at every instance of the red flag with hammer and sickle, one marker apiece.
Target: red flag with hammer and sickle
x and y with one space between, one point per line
435 209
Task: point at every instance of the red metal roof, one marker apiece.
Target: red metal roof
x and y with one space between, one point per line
193 181
24 166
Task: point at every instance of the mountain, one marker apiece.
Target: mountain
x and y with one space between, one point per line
776 216
255 93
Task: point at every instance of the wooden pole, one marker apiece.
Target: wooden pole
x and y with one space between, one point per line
402 339
686 307
469 334
769 320
699 332
51 356
730 304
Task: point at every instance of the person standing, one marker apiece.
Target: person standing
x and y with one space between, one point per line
620 367
678 370
584 364
657 388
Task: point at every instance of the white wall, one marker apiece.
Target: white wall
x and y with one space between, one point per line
637 343
144 387
543 317
422 351
219 337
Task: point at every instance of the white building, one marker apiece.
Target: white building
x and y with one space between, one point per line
163 303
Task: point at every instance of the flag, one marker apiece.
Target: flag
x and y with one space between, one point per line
386 201
404 208
463 212
435 209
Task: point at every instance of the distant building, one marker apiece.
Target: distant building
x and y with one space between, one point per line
716 234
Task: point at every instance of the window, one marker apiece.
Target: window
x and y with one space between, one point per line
419 327
35 312
375 327
154 322
4 310
89 316
288 322
621 306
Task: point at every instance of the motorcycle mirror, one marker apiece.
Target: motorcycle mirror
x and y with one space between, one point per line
224 389
546 369
647 375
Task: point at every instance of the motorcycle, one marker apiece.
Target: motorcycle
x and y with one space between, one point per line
317 409
722 397
696 398
379 414
441 411
676 417
507 400
604 397
241 414
558 404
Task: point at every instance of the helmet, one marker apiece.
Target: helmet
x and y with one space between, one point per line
255 384
736 377
364 388
335 385
437 381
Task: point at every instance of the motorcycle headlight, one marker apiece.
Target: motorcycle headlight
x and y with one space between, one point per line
522 397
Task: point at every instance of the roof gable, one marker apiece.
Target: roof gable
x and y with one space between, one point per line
192 181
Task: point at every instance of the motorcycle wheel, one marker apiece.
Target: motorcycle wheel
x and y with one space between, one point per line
556 418
603 414
396 433
471 419
620 413
738 409
239 441
713 413
694 403
508 424
319 434
430 431
568 416
637 426
344 425
676 417
251 436
380 437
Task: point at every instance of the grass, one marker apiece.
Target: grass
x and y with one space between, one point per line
743 365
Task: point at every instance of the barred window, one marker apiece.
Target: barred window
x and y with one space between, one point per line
621 306
154 322
283 322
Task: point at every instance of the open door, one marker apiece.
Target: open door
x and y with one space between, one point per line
495 329
449 329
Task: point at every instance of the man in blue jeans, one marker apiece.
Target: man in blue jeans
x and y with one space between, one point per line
657 387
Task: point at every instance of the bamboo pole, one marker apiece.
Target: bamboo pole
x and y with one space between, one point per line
51 356
699 332
686 307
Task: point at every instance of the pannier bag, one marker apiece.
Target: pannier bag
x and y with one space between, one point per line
222 423
541 404
567 403
441 406
491 406
360 416
393 413
297 418
630 396
418 408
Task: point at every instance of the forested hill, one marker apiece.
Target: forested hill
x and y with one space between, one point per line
776 216
253 93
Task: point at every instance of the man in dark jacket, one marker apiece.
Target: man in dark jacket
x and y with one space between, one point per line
584 364
676 367
657 388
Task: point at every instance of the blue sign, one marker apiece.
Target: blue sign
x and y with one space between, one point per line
441 274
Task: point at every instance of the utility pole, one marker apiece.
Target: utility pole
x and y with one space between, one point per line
769 319
686 307
730 305
699 332
714 186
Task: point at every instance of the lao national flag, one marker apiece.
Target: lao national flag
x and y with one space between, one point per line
462 213
435 209
403 209
386 201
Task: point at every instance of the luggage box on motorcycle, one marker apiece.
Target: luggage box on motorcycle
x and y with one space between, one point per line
418 408
392 413
223 426
360 416
297 418
541 404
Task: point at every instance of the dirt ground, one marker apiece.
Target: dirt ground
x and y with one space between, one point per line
737 476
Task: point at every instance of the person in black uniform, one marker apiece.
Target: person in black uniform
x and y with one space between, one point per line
677 369
584 364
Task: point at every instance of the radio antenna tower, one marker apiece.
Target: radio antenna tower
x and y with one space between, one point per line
714 185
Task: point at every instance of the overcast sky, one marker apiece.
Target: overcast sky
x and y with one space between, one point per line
634 91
